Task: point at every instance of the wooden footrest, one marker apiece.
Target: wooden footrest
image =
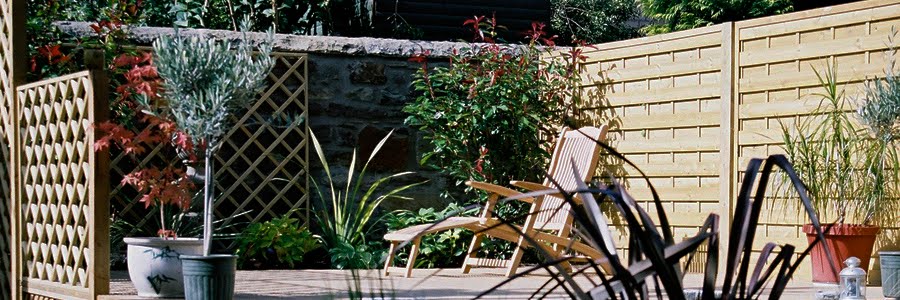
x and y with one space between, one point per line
411 232
487 262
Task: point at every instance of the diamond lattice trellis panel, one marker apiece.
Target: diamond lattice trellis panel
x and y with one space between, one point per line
7 92
261 168
263 163
60 207
124 198
4 217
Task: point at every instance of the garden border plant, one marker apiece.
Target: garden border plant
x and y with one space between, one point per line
277 243
441 250
492 95
348 217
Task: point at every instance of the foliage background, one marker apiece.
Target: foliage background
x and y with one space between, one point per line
594 21
675 15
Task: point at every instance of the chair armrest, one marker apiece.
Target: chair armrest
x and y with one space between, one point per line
499 190
531 186
528 185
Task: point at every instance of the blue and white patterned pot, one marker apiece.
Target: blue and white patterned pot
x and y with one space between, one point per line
154 266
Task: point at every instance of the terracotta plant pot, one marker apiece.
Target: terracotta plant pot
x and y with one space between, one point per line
844 241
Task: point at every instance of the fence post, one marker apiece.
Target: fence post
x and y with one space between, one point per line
15 56
726 139
99 184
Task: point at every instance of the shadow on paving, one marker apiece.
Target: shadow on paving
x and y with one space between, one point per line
424 284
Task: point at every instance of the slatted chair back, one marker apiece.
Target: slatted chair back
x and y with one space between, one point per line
579 145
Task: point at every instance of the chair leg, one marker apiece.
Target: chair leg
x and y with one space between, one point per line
413 252
473 250
557 254
390 258
515 259
560 249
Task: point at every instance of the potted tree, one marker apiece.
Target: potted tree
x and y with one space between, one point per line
162 185
825 151
880 112
850 173
204 82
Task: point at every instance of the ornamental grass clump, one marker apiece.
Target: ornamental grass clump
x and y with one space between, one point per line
204 82
848 160
824 149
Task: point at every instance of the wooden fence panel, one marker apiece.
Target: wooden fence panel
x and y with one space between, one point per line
261 168
13 57
692 107
8 91
775 59
663 96
64 206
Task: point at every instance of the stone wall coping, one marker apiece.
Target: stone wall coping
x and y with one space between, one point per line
354 46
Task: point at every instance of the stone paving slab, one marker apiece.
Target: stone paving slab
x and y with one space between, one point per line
424 284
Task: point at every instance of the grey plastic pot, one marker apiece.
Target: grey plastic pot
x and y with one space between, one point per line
208 277
890 273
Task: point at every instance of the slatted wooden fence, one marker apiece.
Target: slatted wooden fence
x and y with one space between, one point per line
262 165
775 84
663 95
692 107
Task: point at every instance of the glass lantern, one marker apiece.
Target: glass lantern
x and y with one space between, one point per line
853 280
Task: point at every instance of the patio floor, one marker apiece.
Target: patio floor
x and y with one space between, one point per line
424 284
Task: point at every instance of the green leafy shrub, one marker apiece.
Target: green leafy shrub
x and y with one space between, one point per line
675 15
359 256
441 250
276 243
347 219
593 21
490 114
308 17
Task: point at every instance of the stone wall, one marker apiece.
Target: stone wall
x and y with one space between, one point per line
357 89
354 101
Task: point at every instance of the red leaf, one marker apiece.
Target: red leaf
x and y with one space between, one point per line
166 233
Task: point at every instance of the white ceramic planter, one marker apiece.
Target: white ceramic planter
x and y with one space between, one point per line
154 266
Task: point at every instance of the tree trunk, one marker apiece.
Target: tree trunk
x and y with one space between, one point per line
208 202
